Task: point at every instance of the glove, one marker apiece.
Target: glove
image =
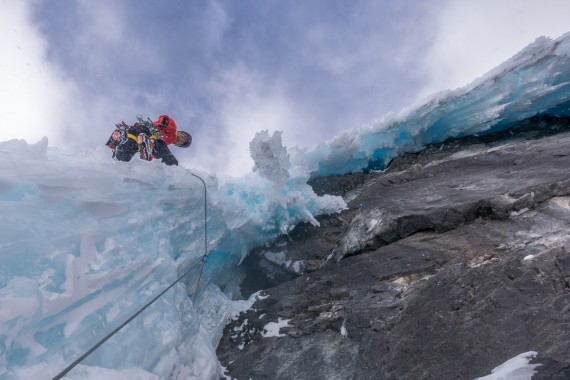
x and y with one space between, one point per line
121 125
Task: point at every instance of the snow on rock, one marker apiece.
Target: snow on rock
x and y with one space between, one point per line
517 368
272 328
343 330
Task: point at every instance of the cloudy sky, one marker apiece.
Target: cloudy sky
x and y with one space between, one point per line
225 69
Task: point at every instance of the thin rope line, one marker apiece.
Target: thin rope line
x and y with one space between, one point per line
205 257
96 346
116 330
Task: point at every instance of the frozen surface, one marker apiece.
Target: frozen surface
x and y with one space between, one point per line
535 81
517 368
86 241
272 329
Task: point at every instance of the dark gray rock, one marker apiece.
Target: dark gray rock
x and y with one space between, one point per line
442 269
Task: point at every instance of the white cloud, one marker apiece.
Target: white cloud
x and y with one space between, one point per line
109 45
247 104
33 94
475 36
216 23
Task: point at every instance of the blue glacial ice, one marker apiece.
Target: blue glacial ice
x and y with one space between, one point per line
87 241
536 81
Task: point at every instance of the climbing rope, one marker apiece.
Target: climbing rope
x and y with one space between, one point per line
205 257
202 262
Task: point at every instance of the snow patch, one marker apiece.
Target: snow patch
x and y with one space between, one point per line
562 202
297 266
519 212
517 368
272 328
279 258
343 331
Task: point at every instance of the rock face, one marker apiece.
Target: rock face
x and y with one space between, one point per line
446 265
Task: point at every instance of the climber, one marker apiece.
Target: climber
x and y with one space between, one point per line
150 139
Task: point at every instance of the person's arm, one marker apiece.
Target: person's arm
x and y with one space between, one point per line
167 129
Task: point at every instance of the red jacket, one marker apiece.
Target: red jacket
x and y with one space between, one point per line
169 132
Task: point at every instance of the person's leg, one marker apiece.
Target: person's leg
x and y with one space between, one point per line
126 151
161 151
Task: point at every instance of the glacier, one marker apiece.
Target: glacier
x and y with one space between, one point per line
86 241
533 82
